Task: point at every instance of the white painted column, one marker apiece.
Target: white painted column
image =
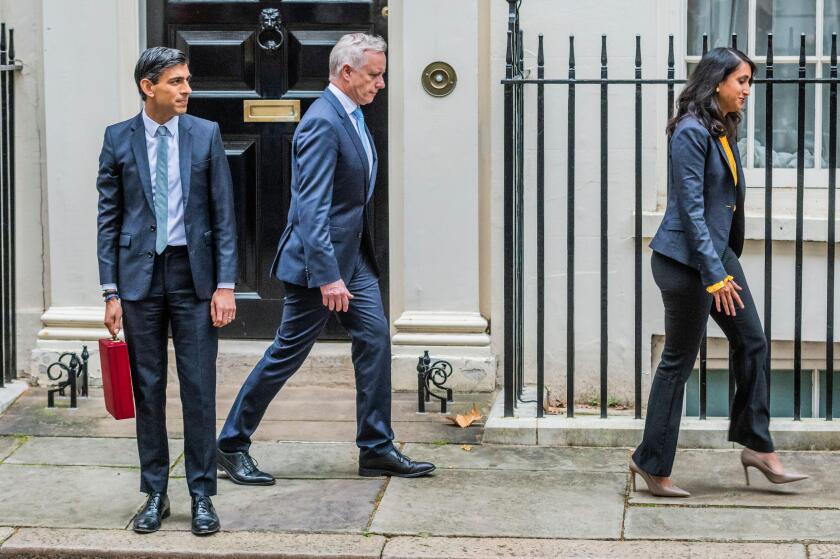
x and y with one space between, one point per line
436 183
88 84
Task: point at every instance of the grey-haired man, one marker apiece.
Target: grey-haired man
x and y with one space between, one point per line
325 258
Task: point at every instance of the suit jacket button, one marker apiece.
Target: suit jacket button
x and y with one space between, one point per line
149 254
360 235
153 228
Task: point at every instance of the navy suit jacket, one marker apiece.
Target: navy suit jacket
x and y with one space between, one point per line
327 224
705 211
127 231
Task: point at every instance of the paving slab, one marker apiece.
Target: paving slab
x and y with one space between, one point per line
68 496
5 533
715 477
78 451
315 409
8 446
30 543
731 524
292 505
301 460
345 431
493 457
504 503
823 551
509 548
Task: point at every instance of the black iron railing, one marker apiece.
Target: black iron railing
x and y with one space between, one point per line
515 83
8 322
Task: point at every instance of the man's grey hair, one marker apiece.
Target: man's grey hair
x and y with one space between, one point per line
350 50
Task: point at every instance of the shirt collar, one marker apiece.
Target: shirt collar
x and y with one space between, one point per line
342 97
151 126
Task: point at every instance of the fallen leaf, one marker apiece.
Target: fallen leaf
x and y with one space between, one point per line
548 408
464 421
466 447
553 410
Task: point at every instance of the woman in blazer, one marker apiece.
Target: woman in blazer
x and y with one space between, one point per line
695 265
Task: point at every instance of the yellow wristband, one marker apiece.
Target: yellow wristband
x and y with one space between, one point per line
719 285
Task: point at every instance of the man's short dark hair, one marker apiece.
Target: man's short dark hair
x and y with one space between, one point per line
153 61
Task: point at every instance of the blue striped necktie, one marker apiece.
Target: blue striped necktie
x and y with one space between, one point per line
162 190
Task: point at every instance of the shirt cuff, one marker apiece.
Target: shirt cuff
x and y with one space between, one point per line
719 285
109 287
226 286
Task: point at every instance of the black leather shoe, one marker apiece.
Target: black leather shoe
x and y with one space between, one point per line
154 511
242 468
205 521
392 463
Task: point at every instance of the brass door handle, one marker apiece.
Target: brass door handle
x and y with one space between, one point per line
271 110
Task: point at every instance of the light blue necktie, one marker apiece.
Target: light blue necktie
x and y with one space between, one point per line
363 134
162 190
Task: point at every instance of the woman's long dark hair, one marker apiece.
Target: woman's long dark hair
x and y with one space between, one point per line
699 98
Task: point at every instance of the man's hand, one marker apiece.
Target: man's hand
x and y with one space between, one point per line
222 307
335 296
113 316
727 296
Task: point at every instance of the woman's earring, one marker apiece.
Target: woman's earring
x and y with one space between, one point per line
717 90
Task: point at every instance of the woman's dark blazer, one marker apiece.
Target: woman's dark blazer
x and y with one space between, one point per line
705 212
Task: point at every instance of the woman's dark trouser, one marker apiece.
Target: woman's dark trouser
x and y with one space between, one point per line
687 308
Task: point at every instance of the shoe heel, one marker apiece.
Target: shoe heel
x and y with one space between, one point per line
746 474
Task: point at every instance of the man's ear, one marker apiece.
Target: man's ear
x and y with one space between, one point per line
146 85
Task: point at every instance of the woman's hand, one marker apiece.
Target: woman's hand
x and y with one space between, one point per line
727 296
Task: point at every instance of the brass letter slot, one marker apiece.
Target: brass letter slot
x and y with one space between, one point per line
271 110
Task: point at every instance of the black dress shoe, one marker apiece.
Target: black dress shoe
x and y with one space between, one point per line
392 463
242 469
154 511
204 518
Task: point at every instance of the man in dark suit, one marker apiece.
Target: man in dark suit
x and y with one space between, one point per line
326 259
167 259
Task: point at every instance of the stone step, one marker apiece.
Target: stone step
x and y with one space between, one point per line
622 430
329 364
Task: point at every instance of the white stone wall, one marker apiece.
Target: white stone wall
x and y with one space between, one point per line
89 51
438 189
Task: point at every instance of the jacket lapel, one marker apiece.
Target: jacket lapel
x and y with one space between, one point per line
141 158
185 154
348 126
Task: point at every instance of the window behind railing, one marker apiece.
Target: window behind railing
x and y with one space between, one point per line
751 21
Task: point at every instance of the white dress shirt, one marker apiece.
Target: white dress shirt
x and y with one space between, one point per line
176 232
350 106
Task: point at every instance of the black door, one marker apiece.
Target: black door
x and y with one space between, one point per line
257 66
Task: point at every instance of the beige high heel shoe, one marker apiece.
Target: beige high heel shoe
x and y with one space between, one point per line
655 487
752 458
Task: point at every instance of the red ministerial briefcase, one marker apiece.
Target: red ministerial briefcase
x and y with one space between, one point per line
116 378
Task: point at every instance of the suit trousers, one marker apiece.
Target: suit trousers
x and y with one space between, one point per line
304 316
687 308
172 302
